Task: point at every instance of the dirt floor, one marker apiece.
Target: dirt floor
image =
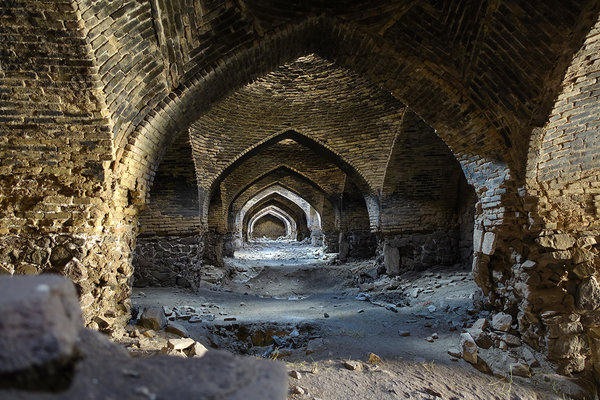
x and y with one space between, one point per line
346 333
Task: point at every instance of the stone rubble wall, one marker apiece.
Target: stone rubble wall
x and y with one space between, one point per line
168 261
56 207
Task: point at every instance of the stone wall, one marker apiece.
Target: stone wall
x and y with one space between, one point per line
168 261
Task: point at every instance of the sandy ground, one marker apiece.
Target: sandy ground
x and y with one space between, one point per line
325 315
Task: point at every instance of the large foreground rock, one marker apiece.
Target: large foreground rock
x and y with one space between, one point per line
40 320
41 323
108 372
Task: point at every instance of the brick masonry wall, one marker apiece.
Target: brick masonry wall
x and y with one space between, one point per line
294 183
291 208
559 279
56 213
269 227
421 189
168 250
483 77
287 154
426 216
359 126
173 207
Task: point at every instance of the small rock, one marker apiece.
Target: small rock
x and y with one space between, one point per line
433 393
530 358
511 340
404 333
374 358
468 348
153 318
435 336
429 339
177 329
198 350
363 297
520 369
454 352
326 315
149 333
230 319
353 365
502 322
180 344
391 308
362 310
482 339
299 390
195 319
481 324
431 308
295 374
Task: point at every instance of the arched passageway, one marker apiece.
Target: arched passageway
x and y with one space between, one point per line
133 133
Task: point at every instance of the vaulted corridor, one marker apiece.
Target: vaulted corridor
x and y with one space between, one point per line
145 144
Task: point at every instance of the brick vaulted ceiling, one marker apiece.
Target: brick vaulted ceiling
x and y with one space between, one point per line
483 74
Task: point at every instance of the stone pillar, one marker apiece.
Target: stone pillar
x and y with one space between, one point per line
391 259
331 241
213 249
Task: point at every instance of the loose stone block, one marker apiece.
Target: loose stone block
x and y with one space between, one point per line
468 348
153 318
502 322
391 257
40 319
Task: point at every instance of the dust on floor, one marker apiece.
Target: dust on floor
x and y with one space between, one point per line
346 332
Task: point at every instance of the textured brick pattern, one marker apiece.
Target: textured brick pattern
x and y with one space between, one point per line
426 195
335 108
268 226
173 208
93 93
286 154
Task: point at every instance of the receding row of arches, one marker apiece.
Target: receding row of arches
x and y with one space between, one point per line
420 125
303 189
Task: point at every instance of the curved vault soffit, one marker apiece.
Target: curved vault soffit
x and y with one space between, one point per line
292 155
200 91
282 191
318 147
288 221
315 198
291 206
274 177
328 109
